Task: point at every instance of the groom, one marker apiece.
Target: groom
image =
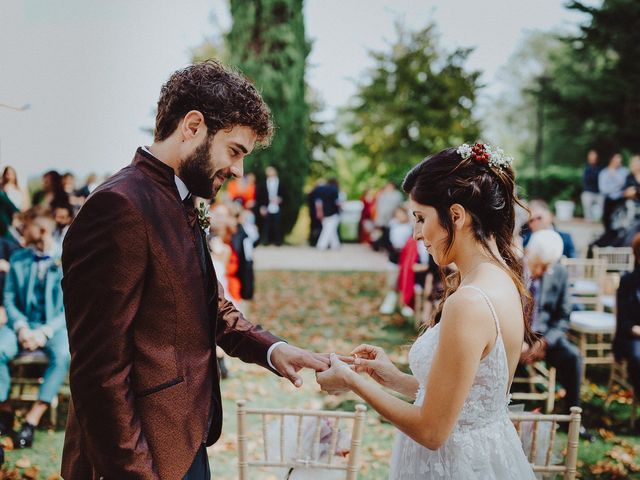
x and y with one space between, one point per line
144 308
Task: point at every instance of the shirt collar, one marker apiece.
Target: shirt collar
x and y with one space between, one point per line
183 190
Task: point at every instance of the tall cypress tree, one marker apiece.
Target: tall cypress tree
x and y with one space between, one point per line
267 42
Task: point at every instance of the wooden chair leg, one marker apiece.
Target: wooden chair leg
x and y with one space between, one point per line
551 390
582 341
53 412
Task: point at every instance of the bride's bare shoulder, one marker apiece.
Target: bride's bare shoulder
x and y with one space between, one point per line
467 307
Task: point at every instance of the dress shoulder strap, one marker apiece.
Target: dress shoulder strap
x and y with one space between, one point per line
486 299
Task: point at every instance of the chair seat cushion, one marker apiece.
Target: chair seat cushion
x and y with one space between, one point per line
585 287
593 322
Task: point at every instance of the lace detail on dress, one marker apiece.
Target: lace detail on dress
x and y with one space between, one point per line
483 444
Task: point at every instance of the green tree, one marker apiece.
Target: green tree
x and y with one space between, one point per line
594 94
416 100
267 42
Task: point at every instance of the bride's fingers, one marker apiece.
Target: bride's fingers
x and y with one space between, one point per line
366 351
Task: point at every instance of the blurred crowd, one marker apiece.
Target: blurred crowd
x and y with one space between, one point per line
415 284
249 213
32 230
611 194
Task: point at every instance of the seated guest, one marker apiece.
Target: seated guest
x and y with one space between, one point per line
548 283
626 345
35 312
541 218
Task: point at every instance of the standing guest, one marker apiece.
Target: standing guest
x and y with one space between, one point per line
69 183
366 224
248 222
315 227
611 181
144 308
52 194
7 212
591 197
18 195
328 212
626 344
63 216
36 317
90 185
632 184
541 218
388 200
548 285
269 198
400 231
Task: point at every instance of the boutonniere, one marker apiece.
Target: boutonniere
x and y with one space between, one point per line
203 217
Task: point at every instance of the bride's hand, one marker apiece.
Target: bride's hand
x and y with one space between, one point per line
374 362
338 378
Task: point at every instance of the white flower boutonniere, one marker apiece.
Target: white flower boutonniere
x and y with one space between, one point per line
203 217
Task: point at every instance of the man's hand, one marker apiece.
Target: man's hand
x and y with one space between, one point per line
39 338
27 339
289 360
3 317
635 330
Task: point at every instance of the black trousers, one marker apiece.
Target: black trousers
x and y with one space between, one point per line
199 469
565 357
607 212
629 349
272 229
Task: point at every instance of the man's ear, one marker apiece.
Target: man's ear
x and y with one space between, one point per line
458 215
192 125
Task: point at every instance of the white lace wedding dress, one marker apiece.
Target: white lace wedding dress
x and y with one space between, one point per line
483 444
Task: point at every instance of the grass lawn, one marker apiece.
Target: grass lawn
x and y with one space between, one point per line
334 312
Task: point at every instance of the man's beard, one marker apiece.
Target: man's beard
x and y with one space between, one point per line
196 172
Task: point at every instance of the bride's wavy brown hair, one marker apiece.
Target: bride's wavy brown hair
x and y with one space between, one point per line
488 194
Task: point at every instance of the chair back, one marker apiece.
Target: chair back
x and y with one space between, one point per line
619 259
306 443
538 435
587 279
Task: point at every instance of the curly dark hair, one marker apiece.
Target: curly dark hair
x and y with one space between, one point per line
488 194
224 97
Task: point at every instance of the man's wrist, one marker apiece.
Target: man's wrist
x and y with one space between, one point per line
270 352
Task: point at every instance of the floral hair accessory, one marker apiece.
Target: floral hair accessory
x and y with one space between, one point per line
484 153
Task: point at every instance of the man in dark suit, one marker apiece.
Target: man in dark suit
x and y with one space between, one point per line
144 308
626 344
548 284
269 198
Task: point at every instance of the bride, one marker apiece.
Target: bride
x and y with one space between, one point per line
458 426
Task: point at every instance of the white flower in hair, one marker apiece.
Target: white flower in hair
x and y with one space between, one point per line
464 150
485 153
497 157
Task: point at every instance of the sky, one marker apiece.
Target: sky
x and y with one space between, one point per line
91 70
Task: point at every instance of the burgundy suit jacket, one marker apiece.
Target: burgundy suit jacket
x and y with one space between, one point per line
142 332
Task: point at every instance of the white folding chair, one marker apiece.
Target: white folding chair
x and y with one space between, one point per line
538 436
303 443
542 385
592 328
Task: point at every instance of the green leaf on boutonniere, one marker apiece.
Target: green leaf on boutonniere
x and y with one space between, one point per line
203 216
